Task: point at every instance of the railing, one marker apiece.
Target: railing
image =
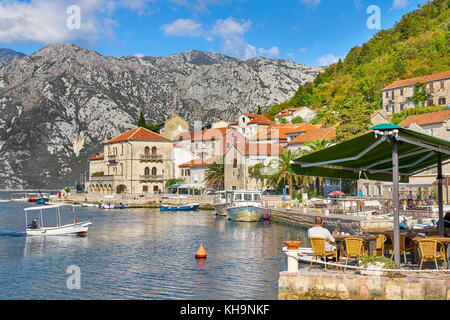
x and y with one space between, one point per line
104 177
151 177
112 157
151 157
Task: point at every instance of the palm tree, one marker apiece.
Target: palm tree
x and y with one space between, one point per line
284 173
318 145
215 175
255 172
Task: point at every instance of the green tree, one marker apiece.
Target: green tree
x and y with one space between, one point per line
419 96
143 124
215 175
172 181
256 172
259 110
297 120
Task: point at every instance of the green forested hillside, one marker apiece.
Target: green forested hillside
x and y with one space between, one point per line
419 44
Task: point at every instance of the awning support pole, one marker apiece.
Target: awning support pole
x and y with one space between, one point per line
396 200
440 194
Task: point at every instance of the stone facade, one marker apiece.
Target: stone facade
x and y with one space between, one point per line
397 96
320 285
136 165
174 126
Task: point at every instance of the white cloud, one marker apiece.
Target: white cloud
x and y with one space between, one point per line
302 50
272 52
311 3
183 27
230 26
200 6
328 59
400 4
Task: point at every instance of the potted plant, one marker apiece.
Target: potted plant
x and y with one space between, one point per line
379 265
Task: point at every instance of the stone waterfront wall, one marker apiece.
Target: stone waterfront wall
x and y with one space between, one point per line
320 285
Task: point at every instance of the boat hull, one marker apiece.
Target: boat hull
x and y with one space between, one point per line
79 228
221 209
190 207
248 214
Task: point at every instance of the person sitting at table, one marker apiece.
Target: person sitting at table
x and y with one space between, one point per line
318 231
430 201
409 197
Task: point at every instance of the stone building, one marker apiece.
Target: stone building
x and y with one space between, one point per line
397 95
250 124
282 133
241 157
136 162
173 127
303 112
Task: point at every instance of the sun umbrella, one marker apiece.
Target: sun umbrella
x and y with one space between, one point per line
336 193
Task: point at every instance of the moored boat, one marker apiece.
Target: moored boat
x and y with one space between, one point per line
38 229
220 203
247 206
187 207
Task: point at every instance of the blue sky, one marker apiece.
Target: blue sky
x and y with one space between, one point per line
312 32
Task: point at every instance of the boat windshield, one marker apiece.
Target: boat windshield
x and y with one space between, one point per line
247 196
256 197
238 197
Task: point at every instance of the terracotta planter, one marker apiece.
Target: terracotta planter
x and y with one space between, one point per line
292 245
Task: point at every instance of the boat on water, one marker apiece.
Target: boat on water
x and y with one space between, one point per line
85 204
111 205
37 228
187 207
220 203
4 201
42 200
246 206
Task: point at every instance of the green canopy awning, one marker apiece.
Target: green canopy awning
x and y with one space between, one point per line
176 185
370 156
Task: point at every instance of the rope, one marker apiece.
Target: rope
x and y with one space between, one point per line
369 269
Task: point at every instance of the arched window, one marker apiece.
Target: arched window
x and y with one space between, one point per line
154 171
147 150
147 171
154 150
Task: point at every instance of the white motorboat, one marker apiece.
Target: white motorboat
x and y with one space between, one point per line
107 205
4 201
220 203
38 229
246 206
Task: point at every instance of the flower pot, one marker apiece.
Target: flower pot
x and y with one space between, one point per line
292 245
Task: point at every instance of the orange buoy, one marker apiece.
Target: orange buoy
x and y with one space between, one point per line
201 252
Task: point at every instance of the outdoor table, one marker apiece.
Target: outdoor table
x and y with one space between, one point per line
371 239
444 240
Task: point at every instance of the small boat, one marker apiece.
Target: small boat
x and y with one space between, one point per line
220 203
4 201
107 205
42 200
85 204
38 229
187 207
247 206
121 206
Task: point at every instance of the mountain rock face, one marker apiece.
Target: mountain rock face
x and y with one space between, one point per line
6 55
59 104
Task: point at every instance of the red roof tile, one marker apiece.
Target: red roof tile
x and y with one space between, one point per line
281 131
318 134
425 79
97 158
257 119
138 134
427 118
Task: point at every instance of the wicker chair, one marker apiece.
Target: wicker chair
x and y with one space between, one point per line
403 249
428 251
354 249
379 247
318 246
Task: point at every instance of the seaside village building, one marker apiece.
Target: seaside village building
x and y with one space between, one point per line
137 161
303 112
397 95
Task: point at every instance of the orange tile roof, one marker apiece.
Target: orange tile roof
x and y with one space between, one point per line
289 111
280 132
427 118
199 163
425 79
234 123
207 134
257 119
138 134
97 158
259 149
318 134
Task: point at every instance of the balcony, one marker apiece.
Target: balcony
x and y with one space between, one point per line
102 178
151 178
112 158
151 157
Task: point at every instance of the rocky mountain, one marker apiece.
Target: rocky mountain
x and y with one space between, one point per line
6 55
59 104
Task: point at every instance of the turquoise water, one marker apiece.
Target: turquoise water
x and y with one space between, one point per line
143 254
